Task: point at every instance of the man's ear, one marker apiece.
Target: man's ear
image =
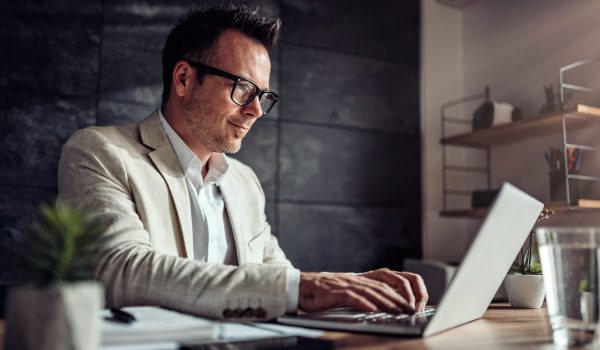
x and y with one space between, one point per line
182 72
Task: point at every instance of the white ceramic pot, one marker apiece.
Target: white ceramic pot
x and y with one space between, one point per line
65 316
525 291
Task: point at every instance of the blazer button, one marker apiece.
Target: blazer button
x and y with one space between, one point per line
260 312
249 312
227 313
238 312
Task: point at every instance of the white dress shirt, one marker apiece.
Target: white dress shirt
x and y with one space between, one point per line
213 236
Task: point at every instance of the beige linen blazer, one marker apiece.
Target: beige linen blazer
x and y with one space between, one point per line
129 176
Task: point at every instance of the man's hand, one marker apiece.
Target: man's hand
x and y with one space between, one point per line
382 289
409 285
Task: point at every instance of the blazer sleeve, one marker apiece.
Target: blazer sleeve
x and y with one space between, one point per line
92 174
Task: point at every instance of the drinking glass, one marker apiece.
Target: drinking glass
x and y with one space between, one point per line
569 257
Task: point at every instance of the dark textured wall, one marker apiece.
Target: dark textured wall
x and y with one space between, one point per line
339 158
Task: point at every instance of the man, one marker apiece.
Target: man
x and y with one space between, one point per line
187 228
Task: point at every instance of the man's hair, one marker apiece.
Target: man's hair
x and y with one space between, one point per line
195 35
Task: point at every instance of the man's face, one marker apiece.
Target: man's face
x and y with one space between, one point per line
215 121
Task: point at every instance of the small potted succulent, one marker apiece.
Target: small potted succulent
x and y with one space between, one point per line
59 305
524 283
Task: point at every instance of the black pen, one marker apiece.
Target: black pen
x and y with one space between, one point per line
122 316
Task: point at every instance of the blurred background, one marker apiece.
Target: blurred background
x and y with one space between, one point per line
339 157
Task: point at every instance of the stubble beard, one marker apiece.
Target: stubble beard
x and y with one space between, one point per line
203 121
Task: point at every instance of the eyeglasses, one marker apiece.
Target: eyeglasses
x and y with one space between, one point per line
244 91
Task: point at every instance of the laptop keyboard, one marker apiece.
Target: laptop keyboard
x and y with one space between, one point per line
382 318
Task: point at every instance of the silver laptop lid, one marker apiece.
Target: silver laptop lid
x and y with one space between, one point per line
491 254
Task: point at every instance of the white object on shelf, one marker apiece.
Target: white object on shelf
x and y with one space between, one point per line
502 113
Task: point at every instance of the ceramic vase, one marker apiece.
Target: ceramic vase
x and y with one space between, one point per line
525 291
62 316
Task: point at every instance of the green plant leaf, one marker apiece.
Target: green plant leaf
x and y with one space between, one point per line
584 286
536 268
65 245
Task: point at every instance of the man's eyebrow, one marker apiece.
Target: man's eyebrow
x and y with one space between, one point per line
253 82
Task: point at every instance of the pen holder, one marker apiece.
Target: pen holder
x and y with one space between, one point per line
558 192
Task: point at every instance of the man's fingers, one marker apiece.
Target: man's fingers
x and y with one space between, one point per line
376 290
378 297
404 301
404 287
398 282
419 289
358 302
383 290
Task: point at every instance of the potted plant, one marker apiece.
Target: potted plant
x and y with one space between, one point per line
524 283
59 305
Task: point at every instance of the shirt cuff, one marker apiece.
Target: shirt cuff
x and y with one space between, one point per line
292 290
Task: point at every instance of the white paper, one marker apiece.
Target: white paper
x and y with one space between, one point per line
157 325
143 346
245 331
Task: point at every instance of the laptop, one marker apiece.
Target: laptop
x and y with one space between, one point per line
501 235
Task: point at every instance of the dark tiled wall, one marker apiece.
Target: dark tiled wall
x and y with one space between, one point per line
348 191
338 157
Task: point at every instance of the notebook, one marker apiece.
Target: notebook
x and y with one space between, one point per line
156 325
470 292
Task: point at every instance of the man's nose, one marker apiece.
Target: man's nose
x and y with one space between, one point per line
253 109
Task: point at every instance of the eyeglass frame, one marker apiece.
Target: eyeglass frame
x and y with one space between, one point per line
236 79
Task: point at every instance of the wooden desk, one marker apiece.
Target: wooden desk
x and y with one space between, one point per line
501 328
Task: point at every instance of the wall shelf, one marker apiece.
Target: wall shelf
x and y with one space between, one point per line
570 117
519 130
557 207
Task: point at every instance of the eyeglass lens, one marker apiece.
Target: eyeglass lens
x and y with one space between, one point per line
267 101
244 92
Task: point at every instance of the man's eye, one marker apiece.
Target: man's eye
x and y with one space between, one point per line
245 88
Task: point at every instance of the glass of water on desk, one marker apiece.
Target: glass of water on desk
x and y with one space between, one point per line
570 264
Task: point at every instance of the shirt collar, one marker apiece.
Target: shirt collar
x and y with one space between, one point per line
189 162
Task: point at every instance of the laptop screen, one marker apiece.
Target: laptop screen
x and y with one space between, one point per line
491 254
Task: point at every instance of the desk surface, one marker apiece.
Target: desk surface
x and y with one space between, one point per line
501 328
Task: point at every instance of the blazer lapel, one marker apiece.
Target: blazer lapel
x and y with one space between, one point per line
165 160
228 191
